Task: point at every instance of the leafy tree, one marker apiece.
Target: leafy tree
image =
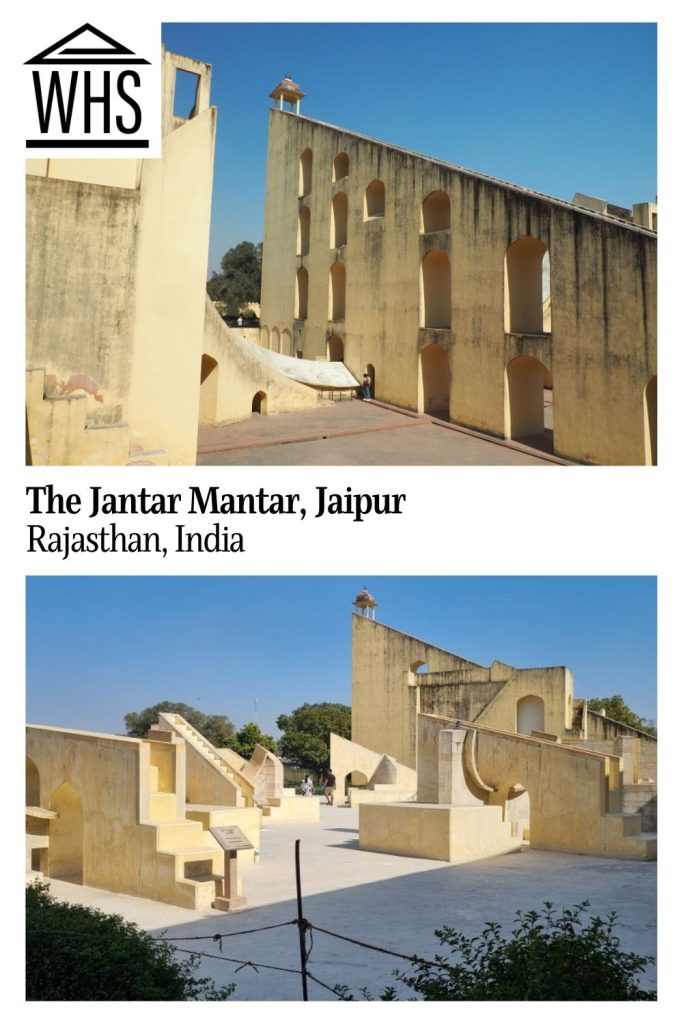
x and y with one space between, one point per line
239 281
75 953
551 956
306 733
616 708
217 729
246 739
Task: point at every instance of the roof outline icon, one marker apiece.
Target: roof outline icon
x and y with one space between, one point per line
113 53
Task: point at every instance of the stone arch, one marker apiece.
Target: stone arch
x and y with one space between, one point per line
436 212
530 715
338 220
265 337
373 206
306 172
434 382
335 349
32 783
303 234
337 304
529 402
524 286
435 290
287 343
650 411
275 339
66 834
301 298
418 667
259 403
340 167
208 389
355 778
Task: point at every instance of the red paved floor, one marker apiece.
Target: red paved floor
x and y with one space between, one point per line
354 433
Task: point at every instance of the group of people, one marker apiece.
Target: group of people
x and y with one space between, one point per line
329 786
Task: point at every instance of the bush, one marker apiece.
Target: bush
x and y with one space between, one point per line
551 955
76 953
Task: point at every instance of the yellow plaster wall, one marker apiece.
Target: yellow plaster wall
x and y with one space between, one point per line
384 692
116 283
116 779
602 350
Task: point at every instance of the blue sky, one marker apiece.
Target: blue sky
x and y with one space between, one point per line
98 647
561 108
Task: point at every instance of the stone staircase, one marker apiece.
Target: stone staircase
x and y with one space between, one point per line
189 860
239 788
624 837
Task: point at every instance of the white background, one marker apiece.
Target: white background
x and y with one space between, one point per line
457 521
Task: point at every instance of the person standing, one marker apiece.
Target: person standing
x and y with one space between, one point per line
367 386
330 784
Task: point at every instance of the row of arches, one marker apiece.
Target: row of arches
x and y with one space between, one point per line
339 216
435 216
436 206
526 273
340 170
277 341
337 293
63 858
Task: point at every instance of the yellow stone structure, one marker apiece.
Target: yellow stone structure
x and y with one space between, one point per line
462 296
134 816
497 755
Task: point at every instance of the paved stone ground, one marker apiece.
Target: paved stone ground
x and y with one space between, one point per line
354 433
393 902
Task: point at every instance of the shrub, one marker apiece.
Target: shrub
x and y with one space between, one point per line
552 955
76 953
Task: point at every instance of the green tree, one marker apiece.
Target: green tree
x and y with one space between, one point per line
306 733
75 953
217 729
247 737
617 709
551 956
239 281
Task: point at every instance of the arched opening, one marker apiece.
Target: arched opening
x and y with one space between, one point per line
301 298
305 172
335 349
259 403
265 337
32 784
529 403
651 422
208 389
435 290
434 383
340 209
419 667
275 340
337 306
303 235
287 343
518 812
436 212
530 715
340 167
355 780
66 835
370 370
374 200
524 286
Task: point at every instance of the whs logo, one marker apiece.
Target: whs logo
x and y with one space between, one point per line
89 92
